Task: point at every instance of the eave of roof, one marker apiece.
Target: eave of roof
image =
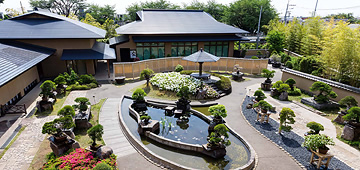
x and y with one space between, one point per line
188 38
16 58
100 51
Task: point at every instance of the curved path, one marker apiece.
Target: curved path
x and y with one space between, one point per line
269 155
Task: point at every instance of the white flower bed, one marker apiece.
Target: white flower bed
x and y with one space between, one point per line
173 81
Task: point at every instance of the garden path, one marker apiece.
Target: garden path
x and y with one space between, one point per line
21 153
341 150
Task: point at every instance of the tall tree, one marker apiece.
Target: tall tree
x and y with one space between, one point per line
62 7
215 9
245 14
101 14
314 35
158 4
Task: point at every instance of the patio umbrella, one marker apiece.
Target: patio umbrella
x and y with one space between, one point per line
200 57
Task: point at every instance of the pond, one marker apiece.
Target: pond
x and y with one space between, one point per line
196 133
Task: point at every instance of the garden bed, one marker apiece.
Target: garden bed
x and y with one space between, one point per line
289 141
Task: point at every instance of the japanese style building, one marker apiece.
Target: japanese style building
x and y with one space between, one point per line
165 33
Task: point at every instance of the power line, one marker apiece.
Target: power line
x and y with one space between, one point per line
330 9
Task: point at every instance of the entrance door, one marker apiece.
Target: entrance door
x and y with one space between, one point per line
125 55
81 66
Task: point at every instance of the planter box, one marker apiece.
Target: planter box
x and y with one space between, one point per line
82 118
120 79
313 103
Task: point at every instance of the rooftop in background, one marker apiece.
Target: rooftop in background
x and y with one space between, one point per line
154 21
16 58
100 51
46 25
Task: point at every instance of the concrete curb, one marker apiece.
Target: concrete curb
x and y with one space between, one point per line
297 162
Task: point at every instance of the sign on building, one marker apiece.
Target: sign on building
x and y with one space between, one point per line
133 54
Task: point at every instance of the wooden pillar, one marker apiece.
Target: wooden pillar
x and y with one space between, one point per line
108 67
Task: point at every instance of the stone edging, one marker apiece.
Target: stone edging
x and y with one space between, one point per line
297 162
169 164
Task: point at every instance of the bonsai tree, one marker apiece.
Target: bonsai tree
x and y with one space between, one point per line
65 122
286 118
95 133
259 95
264 106
60 80
315 127
218 111
179 68
291 83
66 111
146 74
183 92
348 101
325 91
139 95
46 89
145 119
83 103
353 115
254 57
219 138
318 141
277 84
268 74
276 58
237 68
50 128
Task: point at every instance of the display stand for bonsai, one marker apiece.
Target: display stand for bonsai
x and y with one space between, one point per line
261 116
321 157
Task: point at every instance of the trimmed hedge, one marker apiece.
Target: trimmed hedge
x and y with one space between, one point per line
224 83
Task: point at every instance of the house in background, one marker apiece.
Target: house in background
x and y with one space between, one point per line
42 44
164 33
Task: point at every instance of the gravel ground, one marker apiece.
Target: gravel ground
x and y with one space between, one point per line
290 141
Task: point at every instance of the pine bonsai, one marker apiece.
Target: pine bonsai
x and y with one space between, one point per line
145 119
291 83
353 115
95 133
259 95
315 127
219 138
268 74
348 101
46 89
83 103
218 111
286 118
264 106
139 95
60 80
184 92
146 74
325 91
66 111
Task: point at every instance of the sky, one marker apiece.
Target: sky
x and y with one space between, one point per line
301 8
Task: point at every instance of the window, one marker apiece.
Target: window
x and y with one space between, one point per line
183 48
219 48
146 50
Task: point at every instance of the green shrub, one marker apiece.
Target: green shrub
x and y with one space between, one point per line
283 88
254 57
295 92
308 64
259 95
72 78
145 117
102 166
314 142
286 117
276 58
50 156
224 83
267 74
82 103
285 58
138 95
277 84
60 80
325 91
218 111
289 65
46 88
179 68
49 128
92 85
315 127
77 87
95 133
187 72
291 82
184 92
87 79
66 111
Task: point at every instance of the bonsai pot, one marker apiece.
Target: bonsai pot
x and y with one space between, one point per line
266 85
276 64
95 148
323 150
264 110
60 138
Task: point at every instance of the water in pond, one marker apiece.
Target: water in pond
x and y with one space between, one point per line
237 154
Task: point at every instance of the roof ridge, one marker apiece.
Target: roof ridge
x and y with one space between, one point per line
174 10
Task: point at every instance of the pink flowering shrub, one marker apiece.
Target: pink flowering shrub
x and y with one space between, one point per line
78 159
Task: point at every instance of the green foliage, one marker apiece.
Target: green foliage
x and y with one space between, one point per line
187 72
179 68
259 95
219 136
325 91
146 74
276 40
218 111
224 83
348 101
145 117
314 142
66 111
72 78
101 14
275 57
158 4
60 80
308 64
49 128
102 166
82 103
244 14
291 82
254 57
263 105
295 92
283 88
353 114
138 95
315 127
95 133
60 7
65 122
46 88
184 92
285 58
87 79
267 73
277 84
289 65
213 8
286 118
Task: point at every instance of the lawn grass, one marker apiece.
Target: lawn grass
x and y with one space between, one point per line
298 98
81 134
155 92
203 110
12 141
57 106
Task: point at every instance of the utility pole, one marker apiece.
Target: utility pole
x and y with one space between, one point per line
287 7
315 7
258 31
22 8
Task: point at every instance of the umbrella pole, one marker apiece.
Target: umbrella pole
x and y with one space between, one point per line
200 68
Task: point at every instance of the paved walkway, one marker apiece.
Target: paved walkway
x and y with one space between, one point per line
342 151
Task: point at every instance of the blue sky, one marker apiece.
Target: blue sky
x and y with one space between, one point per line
302 8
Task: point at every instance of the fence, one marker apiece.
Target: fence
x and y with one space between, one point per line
133 69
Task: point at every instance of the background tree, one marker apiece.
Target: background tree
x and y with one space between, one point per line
244 14
62 7
11 12
276 40
158 4
213 8
101 14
